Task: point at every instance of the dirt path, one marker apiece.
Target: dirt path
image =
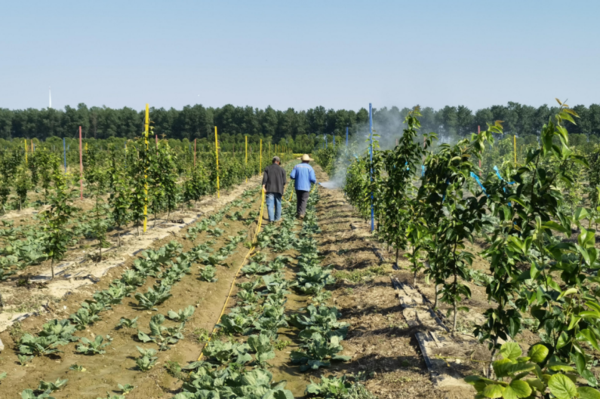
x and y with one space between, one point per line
380 341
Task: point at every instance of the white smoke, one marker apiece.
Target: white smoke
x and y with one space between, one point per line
387 129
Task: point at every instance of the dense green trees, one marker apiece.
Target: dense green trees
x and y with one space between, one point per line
302 130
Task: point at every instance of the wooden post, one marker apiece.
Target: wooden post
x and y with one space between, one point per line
80 167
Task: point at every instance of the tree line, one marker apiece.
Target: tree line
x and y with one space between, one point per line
302 128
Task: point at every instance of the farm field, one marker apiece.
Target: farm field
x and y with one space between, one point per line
430 272
365 342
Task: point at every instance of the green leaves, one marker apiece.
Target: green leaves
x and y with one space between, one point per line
262 346
493 391
517 389
94 347
153 297
562 387
538 353
40 346
182 315
208 273
588 393
511 350
147 360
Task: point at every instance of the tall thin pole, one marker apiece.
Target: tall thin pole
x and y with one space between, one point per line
346 136
217 157
80 167
194 153
246 137
371 157
479 132
65 153
260 158
25 145
515 145
146 125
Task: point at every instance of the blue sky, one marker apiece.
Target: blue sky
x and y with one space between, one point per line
339 54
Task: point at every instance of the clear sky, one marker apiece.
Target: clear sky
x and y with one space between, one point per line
300 54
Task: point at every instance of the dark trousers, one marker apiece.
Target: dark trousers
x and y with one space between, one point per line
302 197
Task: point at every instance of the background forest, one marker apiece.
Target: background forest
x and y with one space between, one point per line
300 130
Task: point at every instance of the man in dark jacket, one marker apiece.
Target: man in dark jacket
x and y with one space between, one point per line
274 184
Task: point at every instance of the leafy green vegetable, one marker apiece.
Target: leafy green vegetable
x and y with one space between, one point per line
94 347
153 297
317 353
51 386
182 316
127 323
40 346
147 360
227 352
126 389
262 346
208 273
161 335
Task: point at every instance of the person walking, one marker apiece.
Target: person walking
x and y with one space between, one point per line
303 175
273 185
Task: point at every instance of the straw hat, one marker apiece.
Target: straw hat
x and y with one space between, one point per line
305 157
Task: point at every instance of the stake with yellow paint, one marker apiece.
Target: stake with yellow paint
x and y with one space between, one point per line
146 124
260 158
515 145
217 157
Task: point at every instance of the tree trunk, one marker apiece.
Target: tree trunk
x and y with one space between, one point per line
454 322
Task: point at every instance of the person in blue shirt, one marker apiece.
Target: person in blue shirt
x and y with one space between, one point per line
303 175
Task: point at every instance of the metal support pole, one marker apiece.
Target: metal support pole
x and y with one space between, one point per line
80 167
217 158
346 136
371 157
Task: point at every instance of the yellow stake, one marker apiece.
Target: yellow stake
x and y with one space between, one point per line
217 155
146 123
246 156
25 151
260 158
515 145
